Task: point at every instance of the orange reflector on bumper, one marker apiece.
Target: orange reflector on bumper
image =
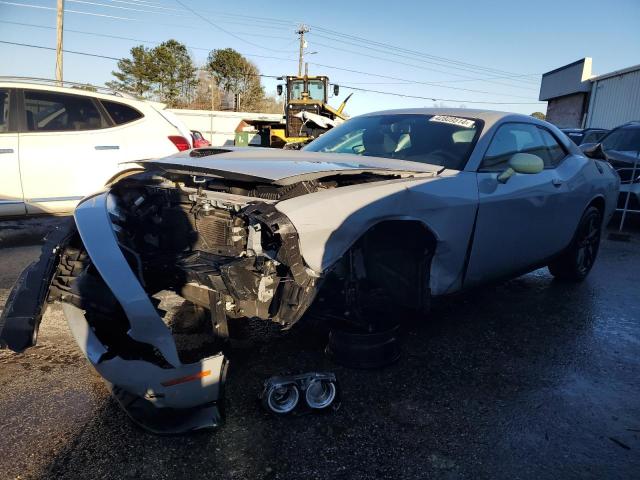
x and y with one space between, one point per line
188 378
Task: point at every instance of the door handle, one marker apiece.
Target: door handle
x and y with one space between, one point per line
556 182
107 147
6 150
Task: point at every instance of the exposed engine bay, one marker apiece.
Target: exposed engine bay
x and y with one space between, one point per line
220 244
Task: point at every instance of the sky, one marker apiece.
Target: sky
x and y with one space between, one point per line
478 54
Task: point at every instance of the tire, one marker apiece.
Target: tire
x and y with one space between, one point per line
575 263
77 282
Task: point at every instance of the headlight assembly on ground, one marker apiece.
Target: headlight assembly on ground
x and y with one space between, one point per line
281 394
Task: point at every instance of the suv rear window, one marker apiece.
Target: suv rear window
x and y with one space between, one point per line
4 111
121 113
57 112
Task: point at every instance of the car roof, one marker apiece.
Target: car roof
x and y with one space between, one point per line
489 117
633 123
45 85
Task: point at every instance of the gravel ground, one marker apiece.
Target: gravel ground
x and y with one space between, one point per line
527 379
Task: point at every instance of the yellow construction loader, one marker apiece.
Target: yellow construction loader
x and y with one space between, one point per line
307 114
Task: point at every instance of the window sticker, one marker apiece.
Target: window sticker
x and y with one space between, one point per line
461 122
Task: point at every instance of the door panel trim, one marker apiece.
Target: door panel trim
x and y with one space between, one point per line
53 199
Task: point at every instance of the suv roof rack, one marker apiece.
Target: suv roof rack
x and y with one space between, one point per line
66 84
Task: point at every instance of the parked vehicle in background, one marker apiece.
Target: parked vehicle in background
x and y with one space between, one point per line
199 140
585 135
59 144
621 148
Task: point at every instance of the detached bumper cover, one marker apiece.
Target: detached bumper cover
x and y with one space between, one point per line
25 306
164 397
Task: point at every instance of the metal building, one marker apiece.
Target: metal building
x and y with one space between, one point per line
577 99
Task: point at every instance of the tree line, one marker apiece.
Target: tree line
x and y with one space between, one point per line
168 73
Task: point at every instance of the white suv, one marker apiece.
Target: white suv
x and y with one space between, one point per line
59 144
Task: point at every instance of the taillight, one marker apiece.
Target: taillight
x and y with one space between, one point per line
181 143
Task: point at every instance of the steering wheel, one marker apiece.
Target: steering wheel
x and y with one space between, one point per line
449 158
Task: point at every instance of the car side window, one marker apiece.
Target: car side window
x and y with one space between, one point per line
555 151
4 110
512 138
593 137
121 113
58 112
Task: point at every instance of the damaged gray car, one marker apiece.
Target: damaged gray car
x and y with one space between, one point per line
379 214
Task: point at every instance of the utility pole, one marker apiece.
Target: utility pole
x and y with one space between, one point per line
301 31
213 107
59 29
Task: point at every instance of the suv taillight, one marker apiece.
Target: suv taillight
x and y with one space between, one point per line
181 143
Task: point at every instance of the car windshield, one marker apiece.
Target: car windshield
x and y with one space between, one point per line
625 140
435 139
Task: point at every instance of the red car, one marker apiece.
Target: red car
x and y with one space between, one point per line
199 140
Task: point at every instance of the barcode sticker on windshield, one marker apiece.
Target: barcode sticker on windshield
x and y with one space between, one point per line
461 122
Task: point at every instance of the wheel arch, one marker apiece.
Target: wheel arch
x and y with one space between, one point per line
123 174
396 254
403 223
599 202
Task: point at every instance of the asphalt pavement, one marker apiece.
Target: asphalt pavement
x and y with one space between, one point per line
528 379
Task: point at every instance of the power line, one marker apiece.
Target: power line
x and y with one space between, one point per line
105 35
218 27
403 80
370 74
466 78
513 77
369 48
118 7
347 86
118 59
282 24
42 7
65 51
454 64
408 51
130 19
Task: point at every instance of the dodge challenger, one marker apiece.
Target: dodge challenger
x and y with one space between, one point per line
381 213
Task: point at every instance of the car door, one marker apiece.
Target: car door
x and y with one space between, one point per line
11 200
66 150
531 217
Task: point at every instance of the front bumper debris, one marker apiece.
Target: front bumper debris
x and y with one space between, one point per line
300 393
26 304
157 391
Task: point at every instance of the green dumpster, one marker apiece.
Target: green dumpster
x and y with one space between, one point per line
242 139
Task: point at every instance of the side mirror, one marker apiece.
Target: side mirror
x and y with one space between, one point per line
336 90
279 90
593 150
522 163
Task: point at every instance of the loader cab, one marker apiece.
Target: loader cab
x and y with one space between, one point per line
307 89
304 94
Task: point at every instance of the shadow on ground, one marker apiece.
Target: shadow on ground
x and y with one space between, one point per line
527 379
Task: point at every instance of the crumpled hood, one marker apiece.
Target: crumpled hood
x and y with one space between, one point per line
284 166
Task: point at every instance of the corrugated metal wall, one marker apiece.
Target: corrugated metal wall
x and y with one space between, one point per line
614 100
